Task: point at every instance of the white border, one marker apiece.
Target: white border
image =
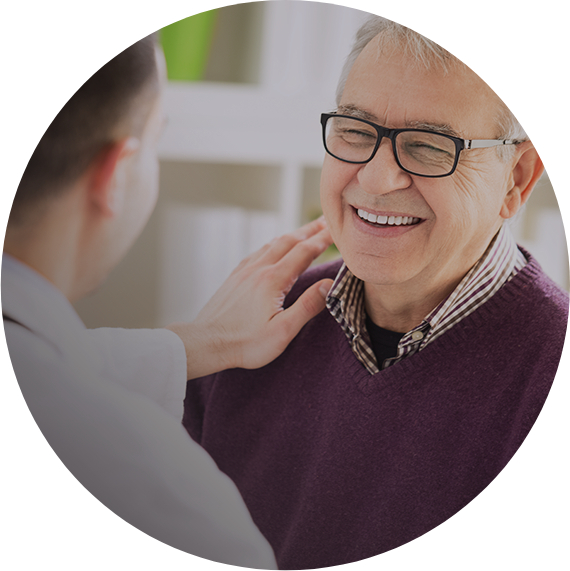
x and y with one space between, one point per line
519 48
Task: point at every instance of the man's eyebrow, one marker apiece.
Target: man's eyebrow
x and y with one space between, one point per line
355 111
443 128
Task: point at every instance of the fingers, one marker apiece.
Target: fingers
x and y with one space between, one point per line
309 229
300 257
279 277
282 245
309 304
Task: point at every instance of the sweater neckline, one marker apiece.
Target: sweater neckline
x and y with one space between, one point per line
373 383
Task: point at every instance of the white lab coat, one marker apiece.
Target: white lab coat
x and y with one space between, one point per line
92 392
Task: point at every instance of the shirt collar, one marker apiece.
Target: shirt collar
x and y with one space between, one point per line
31 300
500 262
345 301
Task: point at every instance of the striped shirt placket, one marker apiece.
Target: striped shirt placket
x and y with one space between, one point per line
501 261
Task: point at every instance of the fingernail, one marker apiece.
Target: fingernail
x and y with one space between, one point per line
324 290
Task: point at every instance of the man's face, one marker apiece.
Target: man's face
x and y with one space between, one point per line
457 215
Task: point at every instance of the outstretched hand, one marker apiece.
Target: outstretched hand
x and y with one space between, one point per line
244 324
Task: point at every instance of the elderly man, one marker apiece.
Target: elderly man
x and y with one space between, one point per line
391 411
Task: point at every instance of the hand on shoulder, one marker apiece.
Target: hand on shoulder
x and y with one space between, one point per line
244 324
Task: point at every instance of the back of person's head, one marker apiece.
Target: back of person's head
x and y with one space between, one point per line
114 103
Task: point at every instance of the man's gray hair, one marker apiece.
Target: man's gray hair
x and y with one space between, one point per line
425 53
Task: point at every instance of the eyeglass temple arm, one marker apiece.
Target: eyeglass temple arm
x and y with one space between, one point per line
485 143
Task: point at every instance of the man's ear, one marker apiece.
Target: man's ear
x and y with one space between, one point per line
526 171
106 183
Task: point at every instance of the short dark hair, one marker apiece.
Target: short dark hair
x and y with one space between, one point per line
110 102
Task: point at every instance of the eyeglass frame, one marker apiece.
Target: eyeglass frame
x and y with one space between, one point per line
384 132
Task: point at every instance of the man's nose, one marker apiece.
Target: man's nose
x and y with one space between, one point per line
382 174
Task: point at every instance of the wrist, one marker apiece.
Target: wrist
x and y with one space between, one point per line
206 350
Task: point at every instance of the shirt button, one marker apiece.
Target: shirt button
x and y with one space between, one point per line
417 335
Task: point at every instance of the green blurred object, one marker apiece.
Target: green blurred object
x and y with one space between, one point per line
186 46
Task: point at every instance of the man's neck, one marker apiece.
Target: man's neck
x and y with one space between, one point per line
398 309
401 307
50 245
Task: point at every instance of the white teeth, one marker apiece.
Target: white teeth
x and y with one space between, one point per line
390 220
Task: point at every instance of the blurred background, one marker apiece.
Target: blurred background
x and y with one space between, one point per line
241 155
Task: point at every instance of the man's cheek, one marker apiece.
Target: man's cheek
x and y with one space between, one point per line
328 202
332 210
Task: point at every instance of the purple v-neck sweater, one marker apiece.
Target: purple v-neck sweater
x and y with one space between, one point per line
337 465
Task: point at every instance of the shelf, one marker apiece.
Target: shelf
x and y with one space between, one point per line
252 187
228 123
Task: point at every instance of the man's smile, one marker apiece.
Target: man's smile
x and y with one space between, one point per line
386 219
387 224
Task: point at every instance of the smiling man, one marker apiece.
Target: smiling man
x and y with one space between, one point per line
391 411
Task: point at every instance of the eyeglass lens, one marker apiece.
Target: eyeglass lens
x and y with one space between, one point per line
428 154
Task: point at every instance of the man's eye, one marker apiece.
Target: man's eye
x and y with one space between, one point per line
421 146
423 150
357 136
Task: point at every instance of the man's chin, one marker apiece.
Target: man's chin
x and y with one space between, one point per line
379 271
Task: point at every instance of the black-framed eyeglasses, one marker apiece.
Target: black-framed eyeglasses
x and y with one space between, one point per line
417 151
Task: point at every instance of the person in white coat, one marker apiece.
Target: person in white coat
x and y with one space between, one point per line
109 401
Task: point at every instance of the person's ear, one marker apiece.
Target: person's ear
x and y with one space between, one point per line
107 184
527 169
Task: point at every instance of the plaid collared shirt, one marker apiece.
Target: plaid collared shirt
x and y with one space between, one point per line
501 261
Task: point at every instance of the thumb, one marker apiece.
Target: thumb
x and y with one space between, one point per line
309 304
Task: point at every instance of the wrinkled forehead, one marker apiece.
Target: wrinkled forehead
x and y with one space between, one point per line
399 87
